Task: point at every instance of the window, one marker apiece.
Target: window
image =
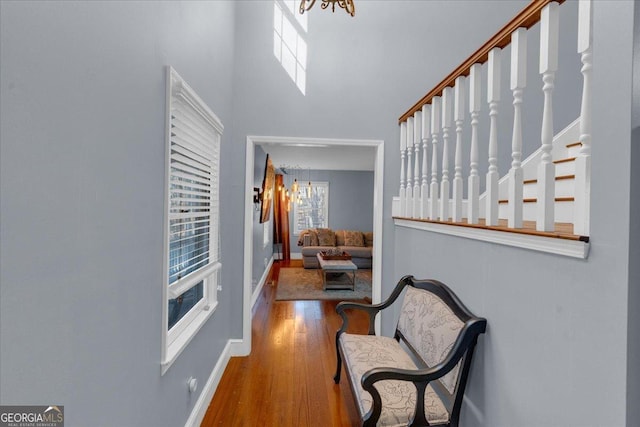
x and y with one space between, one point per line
312 211
288 45
192 255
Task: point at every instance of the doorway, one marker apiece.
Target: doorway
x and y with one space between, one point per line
252 141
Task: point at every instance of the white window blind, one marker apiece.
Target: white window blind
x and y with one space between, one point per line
192 257
193 187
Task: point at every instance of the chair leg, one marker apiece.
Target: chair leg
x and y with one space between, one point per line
336 377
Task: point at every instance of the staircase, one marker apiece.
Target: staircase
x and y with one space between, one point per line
566 147
545 196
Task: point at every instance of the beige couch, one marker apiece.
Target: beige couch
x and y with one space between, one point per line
356 243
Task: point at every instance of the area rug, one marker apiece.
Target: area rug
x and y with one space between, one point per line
306 284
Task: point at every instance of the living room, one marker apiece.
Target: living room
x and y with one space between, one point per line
342 178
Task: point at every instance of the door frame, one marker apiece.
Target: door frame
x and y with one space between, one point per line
378 194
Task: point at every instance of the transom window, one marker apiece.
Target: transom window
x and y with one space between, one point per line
288 45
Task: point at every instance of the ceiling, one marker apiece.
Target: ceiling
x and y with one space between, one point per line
321 157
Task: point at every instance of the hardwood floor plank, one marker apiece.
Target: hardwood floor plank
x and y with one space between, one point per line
287 380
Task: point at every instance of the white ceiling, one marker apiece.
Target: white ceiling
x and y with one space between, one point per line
325 157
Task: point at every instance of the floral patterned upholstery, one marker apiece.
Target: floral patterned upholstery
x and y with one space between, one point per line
353 238
310 236
432 321
365 352
326 237
431 328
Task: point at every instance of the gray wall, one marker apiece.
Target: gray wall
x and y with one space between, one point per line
82 175
362 74
261 254
350 201
633 322
556 344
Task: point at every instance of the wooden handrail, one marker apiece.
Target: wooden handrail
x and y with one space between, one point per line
527 18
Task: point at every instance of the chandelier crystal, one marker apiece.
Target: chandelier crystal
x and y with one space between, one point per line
344 4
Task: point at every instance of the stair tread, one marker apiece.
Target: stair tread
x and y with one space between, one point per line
568 159
535 200
558 178
574 144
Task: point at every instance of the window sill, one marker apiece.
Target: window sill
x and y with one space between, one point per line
554 245
176 347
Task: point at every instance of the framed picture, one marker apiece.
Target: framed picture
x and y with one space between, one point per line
267 190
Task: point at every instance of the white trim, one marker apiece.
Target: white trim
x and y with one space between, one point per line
296 255
180 342
200 408
263 280
378 210
181 286
570 248
244 345
237 347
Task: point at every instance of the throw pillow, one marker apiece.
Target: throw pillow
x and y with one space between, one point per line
353 238
368 238
308 237
326 237
339 237
314 238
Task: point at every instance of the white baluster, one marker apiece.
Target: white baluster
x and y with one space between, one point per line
417 133
518 83
403 152
409 205
424 189
447 101
549 27
475 103
493 97
582 201
457 179
435 129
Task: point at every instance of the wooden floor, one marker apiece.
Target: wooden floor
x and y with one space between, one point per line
287 380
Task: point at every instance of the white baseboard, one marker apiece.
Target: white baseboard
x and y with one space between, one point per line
292 255
200 408
239 348
263 280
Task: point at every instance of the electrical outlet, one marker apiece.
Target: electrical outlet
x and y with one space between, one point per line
192 384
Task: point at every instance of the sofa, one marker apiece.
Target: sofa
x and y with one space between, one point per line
356 243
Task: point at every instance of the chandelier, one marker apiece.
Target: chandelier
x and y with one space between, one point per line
345 4
294 194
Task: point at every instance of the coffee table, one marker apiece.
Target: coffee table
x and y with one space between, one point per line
337 274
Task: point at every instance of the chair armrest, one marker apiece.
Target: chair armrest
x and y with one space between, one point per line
419 377
466 341
371 309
